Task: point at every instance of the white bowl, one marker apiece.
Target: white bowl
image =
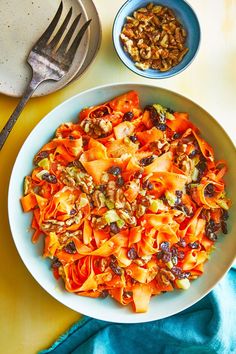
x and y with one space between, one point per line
107 309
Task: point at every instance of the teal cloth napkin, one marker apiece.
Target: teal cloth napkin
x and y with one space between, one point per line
207 327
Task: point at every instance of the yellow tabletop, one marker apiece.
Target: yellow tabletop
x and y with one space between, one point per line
30 318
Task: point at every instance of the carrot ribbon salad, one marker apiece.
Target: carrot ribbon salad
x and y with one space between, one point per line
129 201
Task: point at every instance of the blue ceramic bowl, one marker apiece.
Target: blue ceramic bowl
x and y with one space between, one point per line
184 14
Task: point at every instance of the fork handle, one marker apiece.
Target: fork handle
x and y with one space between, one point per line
13 118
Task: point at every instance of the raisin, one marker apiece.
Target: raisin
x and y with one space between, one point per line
182 243
72 212
174 251
178 194
114 170
170 110
128 116
49 178
116 269
133 138
166 257
56 263
212 236
120 181
71 137
144 201
104 294
225 215
176 135
193 245
224 227
160 254
70 248
209 191
193 153
132 253
146 161
177 271
114 228
161 127
79 165
165 246
102 188
40 156
147 185
181 255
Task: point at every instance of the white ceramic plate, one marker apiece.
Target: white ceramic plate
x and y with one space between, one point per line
108 309
20 27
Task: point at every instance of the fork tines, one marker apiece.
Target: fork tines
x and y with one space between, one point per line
52 43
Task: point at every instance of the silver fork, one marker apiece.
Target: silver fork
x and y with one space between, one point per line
49 60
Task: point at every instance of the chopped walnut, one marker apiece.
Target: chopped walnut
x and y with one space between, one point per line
154 38
98 199
96 127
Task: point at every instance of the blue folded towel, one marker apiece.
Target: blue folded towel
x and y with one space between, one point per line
207 327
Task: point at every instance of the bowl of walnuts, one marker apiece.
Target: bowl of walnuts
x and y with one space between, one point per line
156 39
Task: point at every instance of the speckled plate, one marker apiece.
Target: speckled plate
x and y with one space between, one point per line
20 27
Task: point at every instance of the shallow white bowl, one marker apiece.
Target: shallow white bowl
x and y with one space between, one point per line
161 306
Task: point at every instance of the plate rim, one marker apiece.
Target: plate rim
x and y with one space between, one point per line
136 317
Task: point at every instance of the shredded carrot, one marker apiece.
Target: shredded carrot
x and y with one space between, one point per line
127 205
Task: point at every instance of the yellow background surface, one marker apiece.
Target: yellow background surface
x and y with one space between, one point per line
31 319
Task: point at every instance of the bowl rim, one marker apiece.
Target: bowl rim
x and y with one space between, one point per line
53 293
143 73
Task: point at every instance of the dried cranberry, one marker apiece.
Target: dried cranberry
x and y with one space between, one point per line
165 246
120 181
194 245
201 166
70 248
133 138
132 253
209 191
144 201
188 188
128 116
224 227
56 263
146 161
114 170
116 268
49 178
114 228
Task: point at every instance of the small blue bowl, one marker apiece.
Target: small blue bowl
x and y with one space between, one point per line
184 14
